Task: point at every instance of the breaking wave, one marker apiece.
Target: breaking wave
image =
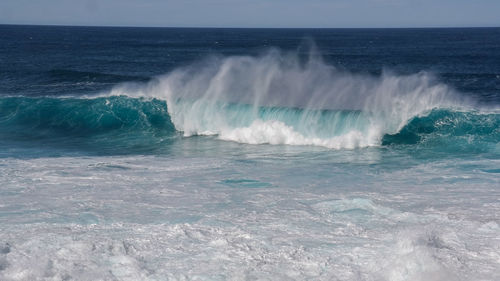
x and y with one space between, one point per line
274 98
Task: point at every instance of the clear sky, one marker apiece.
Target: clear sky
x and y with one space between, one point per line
254 13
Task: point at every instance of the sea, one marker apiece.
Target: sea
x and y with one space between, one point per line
249 154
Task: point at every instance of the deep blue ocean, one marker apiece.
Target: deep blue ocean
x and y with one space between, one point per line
237 154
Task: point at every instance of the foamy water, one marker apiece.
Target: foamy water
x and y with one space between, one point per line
221 218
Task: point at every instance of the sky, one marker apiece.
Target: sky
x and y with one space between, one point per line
254 13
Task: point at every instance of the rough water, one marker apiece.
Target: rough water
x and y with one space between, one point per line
235 154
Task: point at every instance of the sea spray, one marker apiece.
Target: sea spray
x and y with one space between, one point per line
281 98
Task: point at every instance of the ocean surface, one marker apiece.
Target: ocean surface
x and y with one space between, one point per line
249 154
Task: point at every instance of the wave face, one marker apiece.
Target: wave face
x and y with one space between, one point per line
115 122
284 98
452 130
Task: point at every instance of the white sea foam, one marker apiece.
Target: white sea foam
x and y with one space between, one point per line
276 132
196 217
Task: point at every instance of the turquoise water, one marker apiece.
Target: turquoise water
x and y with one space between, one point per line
127 125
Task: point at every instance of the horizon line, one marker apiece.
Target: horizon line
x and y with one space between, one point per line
241 27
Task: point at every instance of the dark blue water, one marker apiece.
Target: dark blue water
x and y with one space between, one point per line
43 60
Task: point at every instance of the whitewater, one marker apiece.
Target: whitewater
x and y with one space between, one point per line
172 157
